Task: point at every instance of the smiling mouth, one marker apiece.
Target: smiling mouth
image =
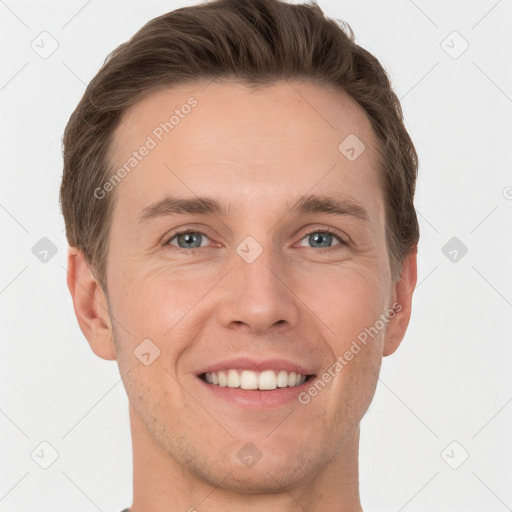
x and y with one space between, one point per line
266 380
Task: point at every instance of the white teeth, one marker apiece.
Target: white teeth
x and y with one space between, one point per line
233 379
267 380
247 379
282 379
223 380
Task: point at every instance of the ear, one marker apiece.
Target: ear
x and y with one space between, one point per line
90 304
401 303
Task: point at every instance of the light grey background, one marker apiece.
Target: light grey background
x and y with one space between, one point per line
450 380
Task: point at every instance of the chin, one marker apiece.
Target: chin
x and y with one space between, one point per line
273 472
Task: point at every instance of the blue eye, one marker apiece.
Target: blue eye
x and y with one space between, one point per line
191 240
187 238
324 237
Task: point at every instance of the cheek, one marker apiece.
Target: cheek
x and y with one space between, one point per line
350 307
161 305
347 300
347 386
155 299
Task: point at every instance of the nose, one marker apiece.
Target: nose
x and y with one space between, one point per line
257 297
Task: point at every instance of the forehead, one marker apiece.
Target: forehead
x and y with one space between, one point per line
244 144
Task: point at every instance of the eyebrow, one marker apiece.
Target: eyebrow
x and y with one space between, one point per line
306 204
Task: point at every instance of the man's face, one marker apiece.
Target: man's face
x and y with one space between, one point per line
260 282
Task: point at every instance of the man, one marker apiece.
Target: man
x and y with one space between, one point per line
238 195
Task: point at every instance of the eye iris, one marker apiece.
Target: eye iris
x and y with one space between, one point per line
189 238
318 236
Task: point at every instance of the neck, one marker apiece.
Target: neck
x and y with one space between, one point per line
161 484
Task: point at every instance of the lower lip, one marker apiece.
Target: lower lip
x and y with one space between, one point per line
257 397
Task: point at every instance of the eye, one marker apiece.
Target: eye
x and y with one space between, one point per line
191 240
187 239
323 237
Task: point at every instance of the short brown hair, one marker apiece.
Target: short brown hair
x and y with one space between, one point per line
253 42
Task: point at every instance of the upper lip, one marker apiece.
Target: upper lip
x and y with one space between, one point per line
257 365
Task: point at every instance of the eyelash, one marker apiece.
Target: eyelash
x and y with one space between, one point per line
315 230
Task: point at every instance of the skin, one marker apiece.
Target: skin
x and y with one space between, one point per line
258 150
